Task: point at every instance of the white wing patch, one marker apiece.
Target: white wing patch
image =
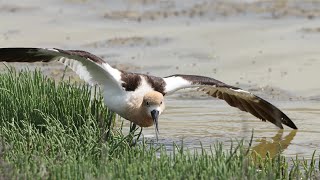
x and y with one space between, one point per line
115 73
88 70
174 83
79 69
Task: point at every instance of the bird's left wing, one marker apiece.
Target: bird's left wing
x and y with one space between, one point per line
89 67
234 96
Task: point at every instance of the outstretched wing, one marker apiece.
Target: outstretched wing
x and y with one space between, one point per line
89 67
234 96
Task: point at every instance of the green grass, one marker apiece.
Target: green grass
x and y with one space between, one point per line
53 130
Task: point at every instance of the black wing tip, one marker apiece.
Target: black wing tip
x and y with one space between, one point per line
19 48
279 116
24 54
291 125
287 121
284 120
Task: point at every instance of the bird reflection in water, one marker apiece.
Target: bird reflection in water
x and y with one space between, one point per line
275 146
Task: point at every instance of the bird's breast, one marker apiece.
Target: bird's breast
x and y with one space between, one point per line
141 120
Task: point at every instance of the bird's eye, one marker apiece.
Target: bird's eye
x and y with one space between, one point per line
161 102
147 103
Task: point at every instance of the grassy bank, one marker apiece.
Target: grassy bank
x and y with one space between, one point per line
61 131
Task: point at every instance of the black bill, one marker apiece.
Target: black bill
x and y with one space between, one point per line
155 115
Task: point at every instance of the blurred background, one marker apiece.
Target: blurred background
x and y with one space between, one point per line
268 47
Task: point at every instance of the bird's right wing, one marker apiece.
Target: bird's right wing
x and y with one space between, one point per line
234 96
89 67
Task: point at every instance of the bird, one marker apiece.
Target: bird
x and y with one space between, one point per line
139 97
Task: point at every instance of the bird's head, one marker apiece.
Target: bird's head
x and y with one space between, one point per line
153 103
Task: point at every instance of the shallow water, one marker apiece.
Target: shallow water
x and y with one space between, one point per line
208 121
274 56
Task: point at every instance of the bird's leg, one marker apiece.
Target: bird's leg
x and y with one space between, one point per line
131 133
133 129
139 134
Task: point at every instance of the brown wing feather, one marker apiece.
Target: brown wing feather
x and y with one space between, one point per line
251 103
234 96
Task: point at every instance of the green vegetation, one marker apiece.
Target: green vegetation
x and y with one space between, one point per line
63 131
